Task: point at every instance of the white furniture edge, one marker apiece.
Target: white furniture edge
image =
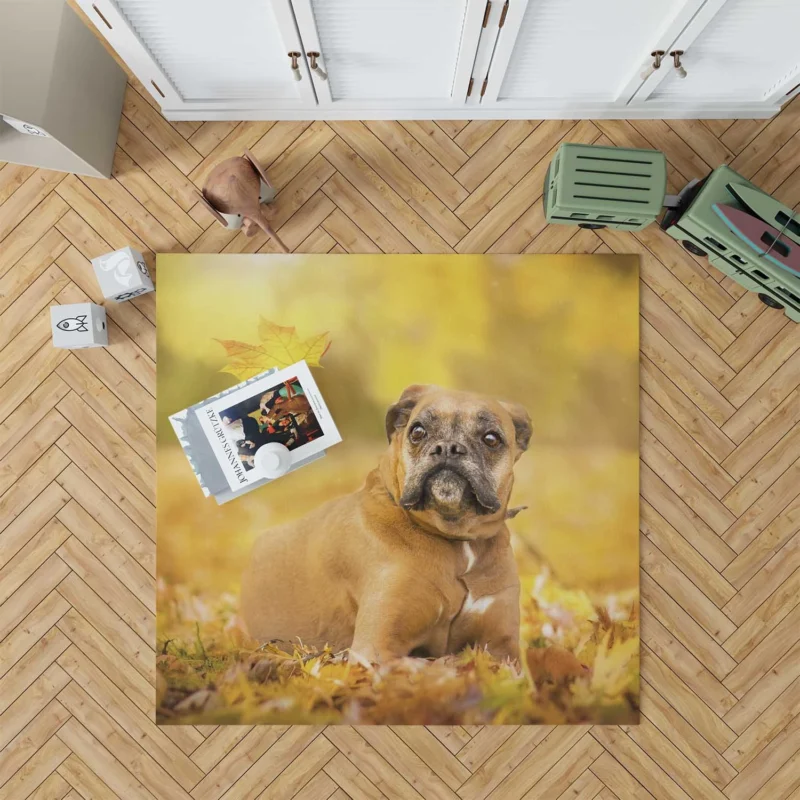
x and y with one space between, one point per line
133 51
684 111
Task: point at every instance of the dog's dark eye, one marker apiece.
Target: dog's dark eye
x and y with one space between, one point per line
492 440
417 433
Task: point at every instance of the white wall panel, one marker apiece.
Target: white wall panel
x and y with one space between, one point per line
583 49
747 49
214 49
389 49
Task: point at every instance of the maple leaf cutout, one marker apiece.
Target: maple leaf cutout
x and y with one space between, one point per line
279 347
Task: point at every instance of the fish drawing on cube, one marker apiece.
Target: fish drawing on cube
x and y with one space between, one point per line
122 275
78 325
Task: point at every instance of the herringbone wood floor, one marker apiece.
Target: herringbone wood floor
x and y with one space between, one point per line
720 439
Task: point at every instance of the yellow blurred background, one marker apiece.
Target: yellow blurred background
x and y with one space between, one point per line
558 334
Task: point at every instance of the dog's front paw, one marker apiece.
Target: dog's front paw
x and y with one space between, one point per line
364 654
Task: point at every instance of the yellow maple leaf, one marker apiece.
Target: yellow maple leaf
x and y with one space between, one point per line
280 346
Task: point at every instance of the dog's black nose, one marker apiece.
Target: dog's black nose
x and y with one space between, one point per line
448 450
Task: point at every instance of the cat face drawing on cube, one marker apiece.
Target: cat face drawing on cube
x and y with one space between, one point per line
119 264
122 274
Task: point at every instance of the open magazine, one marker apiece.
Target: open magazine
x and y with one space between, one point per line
222 435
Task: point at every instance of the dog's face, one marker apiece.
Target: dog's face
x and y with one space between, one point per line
451 458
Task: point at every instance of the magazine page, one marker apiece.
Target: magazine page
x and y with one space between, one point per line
226 495
197 448
285 407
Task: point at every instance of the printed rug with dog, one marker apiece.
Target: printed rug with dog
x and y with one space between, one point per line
468 554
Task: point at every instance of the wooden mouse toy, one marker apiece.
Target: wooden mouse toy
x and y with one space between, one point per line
234 188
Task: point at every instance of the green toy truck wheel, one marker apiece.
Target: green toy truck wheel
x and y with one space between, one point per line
769 301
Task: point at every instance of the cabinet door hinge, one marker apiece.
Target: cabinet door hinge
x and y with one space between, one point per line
469 88
486 13
503 15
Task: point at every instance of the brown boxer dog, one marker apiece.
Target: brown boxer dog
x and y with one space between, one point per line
418 561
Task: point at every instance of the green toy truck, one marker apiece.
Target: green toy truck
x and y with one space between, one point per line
597 187
695 224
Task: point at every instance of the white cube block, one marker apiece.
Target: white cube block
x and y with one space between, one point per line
122 274
78 325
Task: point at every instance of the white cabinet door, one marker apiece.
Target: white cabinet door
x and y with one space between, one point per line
390 54
746 51
557 54
217 56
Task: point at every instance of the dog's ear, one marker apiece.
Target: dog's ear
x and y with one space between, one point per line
398 414
522 424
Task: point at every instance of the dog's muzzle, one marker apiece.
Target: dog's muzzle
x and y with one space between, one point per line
450 482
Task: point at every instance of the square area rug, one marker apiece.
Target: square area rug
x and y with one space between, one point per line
466 554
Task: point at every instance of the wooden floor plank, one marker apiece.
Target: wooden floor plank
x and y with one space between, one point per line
108 586
684 411
110 552
427 169
33 623
437 143
493 152
667 755
285 166
153 161
702 696
84 782
766 585
154 199
106 770
26 198
236 763
685 737
31 666
100 705
547 768
12 176
425 220
636 761
30 267
112 519
159 131
352 781
692 599
94 608
31 720
681 554
499 182
32 491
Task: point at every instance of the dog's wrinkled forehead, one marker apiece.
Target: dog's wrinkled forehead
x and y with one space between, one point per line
448 416
457 412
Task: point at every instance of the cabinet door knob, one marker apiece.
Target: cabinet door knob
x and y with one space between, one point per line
657 56
315 68
296 74
676 60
